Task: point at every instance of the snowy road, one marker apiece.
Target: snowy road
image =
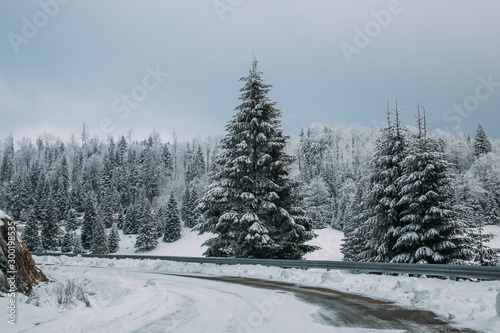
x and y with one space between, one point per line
127 300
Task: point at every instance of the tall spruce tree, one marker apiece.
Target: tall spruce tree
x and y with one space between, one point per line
354 240
482 144
89 220
380 208
147 239
67 242
429 230
71 220
189 216
252 204
31 235
99 240
50 229
113 239
316 202
173 225
131 224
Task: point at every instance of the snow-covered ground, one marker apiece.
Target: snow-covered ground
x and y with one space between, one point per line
126 296
123 299
495 230
190 245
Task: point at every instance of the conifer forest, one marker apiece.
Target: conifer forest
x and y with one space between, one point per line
399 192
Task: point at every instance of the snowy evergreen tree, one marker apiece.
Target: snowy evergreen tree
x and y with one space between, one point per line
168 165
71 220
121 220
7 167
99 240
189 216
50 229
67 242
354 241
252 204
31 235
380 208
316 202
483 255
161 217
482 144
131 224
150 174
429 230
173 225
89 221
106 211
113 239
147 239
196 167
77 247
62 186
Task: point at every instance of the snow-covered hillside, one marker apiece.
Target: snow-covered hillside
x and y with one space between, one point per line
190 245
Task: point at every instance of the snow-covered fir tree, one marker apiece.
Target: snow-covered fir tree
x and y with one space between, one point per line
252 204
99 237
189 216
50 229
113 239
77 246
31 235
482 144
131 224
477 239
7 167
89 221
67 242
161 217
173 225
168 165
429 230
317 202
71 220
147 239
380 208
354 241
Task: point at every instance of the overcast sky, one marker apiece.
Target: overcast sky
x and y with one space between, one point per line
65 62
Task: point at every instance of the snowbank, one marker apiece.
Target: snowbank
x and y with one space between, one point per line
115 305
464 303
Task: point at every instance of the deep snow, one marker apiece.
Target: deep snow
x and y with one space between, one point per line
465 303
123 301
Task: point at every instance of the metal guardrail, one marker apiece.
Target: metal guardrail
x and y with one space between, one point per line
452 271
